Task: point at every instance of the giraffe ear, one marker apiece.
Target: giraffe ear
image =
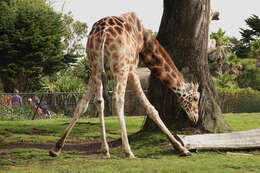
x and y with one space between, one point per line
189 87
196 86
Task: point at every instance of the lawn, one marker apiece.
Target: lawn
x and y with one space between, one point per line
24 148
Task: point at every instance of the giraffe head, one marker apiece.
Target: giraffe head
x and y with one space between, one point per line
189 100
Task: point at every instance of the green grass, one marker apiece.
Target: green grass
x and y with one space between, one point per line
46 131
153 150
243 121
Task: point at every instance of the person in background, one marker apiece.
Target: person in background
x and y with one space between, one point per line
16 99
45 112
34 103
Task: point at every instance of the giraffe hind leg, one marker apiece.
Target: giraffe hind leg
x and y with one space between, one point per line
80 109
118 107
99 102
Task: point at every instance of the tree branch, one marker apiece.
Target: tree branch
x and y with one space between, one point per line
214 15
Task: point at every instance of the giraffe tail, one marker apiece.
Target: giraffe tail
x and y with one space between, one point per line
104 76
103 73
102 52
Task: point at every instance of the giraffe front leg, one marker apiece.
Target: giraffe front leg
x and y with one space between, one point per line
80 109
154 115
99 102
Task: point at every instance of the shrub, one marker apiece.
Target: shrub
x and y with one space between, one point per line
239 100
250 76
21 113
63 81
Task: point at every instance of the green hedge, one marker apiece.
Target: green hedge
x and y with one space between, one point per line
239 100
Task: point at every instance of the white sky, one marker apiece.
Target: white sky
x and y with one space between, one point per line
232 12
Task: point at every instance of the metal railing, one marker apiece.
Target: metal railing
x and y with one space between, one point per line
59 103
62 103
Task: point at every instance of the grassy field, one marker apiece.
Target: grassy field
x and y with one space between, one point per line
24 148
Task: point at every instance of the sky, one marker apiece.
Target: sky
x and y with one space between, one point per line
232 12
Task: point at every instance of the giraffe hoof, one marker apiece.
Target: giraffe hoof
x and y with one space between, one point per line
185 153
52 153
106 156
130 155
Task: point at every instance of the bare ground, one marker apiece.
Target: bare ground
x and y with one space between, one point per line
90 148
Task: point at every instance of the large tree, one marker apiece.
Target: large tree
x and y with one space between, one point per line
32 37
184 34
249 34
253 31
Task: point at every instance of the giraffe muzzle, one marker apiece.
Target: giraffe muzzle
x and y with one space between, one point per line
194 118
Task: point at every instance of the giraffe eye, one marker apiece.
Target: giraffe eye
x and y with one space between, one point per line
195 99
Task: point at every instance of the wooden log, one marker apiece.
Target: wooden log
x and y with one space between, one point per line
242 140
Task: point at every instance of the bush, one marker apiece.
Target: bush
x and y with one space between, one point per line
63 81
21 113
239 100
250 76
31 35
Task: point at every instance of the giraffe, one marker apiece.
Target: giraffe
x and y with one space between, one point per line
113 48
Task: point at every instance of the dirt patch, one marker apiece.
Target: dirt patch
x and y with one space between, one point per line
40 132
34 131
90 148
82 123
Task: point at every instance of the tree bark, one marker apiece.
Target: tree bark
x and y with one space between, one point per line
184 34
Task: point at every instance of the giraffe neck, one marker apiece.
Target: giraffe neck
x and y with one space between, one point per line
161 65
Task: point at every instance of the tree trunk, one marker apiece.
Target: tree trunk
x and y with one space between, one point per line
184 34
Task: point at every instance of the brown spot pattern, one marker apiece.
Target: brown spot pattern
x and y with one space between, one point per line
111 22
115 56
119 22
167 67
111 31
139 26
91 43
118 30
128 28
112 47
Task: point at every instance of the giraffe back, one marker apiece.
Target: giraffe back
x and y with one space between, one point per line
122 40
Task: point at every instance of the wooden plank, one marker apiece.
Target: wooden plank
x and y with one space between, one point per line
242 140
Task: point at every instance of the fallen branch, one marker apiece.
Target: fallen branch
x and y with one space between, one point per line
243 140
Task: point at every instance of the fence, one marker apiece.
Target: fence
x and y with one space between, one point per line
62 103
59 103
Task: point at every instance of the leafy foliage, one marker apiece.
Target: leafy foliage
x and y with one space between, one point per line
81 70
75 32
220 54
238 47
255 49
20 113
63 81
220 37
225 81
247 75
250 34
231 61
239 100
31 44
233 72
242 47
250 76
